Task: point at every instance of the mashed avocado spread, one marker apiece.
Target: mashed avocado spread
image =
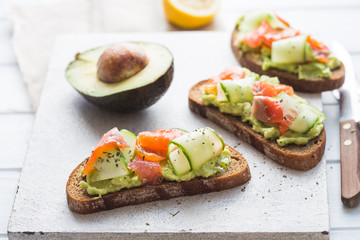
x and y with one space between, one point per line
111 185
210 168
268 130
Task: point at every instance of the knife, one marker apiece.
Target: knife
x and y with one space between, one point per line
349 132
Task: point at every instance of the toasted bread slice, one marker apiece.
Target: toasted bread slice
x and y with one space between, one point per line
292 156
80 201
301 85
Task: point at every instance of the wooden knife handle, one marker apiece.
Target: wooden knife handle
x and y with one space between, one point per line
350 166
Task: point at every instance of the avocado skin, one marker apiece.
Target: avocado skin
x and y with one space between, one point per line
137 98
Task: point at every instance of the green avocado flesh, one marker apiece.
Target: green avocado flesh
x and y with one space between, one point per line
82 73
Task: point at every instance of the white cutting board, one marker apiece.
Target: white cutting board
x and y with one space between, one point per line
276 203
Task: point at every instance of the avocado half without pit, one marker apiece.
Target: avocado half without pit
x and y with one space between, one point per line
122 77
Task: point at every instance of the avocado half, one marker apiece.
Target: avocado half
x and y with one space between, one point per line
135 93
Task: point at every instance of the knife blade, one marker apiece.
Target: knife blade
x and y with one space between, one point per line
349 132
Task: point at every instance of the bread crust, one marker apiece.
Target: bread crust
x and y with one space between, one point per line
291 156
81 202
302 85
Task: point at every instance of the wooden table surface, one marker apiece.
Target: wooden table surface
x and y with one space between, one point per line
334 20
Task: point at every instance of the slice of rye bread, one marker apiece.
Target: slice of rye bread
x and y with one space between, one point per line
80 201
301 85
292 156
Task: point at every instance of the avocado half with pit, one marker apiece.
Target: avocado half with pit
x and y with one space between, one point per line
122 77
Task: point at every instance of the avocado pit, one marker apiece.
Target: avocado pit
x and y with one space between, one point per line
120 62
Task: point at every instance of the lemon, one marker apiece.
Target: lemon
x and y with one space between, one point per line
190 13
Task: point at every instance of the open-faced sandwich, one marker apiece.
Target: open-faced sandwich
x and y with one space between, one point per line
263 113
125 169
267 45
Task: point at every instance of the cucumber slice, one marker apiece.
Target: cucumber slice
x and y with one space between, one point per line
171 148
178 159
310 57
197 146
253 19
305 120
130 138
291 108
110 164
217 141
290 50
238 90
221 96
224 90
